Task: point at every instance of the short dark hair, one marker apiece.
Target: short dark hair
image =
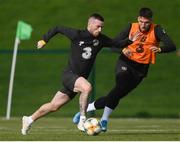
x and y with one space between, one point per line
146 12
97 16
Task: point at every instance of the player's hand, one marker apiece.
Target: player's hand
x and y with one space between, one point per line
135 36
40 44
127 52
155 49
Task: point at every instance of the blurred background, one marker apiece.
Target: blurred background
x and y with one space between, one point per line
38 72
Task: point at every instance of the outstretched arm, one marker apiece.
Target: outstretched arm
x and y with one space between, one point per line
123 39
68 32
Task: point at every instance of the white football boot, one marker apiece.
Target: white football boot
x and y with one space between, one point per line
80 125
26 125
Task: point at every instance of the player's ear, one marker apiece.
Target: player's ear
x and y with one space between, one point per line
89 22
138 19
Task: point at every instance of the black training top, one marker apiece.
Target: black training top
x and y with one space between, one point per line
84 47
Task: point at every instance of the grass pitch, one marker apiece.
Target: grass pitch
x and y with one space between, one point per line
62 129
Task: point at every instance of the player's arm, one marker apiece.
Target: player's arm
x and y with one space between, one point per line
68 32
122 39
162 36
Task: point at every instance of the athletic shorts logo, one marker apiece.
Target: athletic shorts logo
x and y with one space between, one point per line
124 68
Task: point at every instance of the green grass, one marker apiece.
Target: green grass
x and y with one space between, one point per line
44 14
38 75
62 129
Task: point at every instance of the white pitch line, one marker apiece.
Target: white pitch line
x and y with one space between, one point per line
116 130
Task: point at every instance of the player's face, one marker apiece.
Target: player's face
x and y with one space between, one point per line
144 23
95 27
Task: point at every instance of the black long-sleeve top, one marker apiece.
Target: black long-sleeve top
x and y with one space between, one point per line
84 47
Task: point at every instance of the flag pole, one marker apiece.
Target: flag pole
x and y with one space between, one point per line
13 66
23 32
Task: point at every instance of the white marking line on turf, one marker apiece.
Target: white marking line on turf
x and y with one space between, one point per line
147 126
115 130
146 130
121 127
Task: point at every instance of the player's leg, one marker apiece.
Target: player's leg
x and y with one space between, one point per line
84 87
78 84
58 101
125 83
109 102
91 107
100 103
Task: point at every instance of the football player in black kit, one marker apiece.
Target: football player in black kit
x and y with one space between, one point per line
85 45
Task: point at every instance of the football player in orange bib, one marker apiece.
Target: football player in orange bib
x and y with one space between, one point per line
133 63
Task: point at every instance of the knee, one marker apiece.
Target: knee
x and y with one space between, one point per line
86 89
82 85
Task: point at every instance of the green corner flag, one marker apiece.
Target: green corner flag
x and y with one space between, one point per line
23 30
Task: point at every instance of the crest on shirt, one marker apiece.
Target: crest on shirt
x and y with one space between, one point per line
95 42
164 31
81 43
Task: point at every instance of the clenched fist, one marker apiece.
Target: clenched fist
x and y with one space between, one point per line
40 44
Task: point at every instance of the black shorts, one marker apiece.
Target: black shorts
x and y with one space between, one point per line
69 78
138 69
